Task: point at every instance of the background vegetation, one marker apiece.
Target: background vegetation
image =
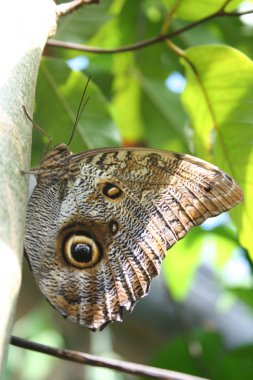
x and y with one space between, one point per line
192 94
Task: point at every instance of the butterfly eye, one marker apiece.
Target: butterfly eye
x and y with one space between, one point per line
111 191
81 251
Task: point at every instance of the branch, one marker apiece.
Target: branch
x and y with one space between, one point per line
64 9
148 42
118 365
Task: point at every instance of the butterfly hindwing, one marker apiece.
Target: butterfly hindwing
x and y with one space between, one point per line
98 228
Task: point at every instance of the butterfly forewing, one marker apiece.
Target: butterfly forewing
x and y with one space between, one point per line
100 222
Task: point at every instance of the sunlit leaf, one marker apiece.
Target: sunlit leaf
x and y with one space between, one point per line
219 101
194 9
181 263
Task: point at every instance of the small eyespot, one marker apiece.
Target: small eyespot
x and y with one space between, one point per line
207 189
114 227
81 251
110 190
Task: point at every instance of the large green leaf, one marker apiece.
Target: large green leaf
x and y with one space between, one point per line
219 101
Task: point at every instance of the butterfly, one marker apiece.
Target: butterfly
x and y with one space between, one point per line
99 223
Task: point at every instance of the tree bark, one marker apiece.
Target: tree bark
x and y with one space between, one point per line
24 28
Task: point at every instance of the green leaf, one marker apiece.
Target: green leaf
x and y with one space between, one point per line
145 110
80 26
219 101
244 294
164 119
58 96
195 9
126 100
221 242
214 247
181 263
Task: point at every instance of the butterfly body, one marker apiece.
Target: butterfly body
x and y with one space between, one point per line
99 223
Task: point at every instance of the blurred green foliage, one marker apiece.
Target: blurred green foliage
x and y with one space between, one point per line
204 353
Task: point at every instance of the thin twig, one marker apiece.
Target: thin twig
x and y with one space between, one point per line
144 43
66 8
118 365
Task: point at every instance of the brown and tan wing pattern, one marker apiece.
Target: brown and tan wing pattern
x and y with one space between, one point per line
98 232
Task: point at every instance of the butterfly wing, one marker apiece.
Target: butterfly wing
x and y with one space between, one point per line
96 239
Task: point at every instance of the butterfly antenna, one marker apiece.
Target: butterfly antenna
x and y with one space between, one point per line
44 133
79 111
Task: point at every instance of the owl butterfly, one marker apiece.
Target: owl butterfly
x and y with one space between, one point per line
99 223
